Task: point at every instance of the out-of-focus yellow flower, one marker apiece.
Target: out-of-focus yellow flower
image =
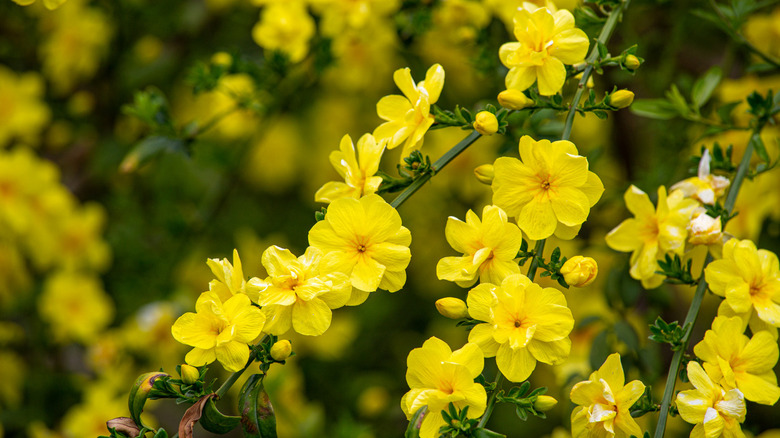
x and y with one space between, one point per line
579 271
373 401
364 239
299 292
13 370
148 48
357 166
545 42
22 112
486 123
77 38
283 141
714 410
345 16
550 191
79 242
704 229
408 116
462 20
452 308
439 376
230 278
763 30
652 232
514 99
488 246
604 401
49 4
189 374
749 279
281 350
88 418
733 360
287 27
621 98
75 306
485 173
704 187
523 324
15 281
219 331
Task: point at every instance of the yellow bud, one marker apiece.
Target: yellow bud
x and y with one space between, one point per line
579 271
632 62
544 403
514 99
621 98
485 173
704 230
222 58
452 308
189 374
486 123
281 350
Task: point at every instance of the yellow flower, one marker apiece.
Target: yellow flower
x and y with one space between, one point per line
704 229
604 402
364 239
486 123
49 4
545 42
409 116
286 27
734 361
22 112
550 192
356 166
489 248
230 279
704 187
219 331
451 307
579 271
299 292
523 324
652 233
439 376
76 307
714 410
749 279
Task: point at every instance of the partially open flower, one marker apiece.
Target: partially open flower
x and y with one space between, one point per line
580 271
705 230
486 123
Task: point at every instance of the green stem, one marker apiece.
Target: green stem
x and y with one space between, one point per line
740 39
538 252
693 311
606 33
492 401
435 168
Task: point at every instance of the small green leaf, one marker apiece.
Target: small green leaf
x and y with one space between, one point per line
758 145
140 392
413 430
660 109
257 414
215 421
484 433
149 148
705 85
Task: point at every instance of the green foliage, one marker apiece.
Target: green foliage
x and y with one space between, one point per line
668 333
675 271
552 268
645 404
257 414
523 398
459 425
415 166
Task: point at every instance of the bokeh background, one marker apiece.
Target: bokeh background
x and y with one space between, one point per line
108 213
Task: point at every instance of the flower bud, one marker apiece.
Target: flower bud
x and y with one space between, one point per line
544 403
621 98
704 230
514 99
485 174
189 374
486 123
631 62
452 308
281 350
222 58
579 271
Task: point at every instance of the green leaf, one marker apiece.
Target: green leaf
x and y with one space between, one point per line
215 421
161 433
677 100
484 433
759 147
149 148
140 392
413 431
705 85
660 109
257 414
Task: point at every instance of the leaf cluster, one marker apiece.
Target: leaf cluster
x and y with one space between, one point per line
415 166
645 404
459 425
668 333
461 117
523 398
168 387
675 271
552 268
720 160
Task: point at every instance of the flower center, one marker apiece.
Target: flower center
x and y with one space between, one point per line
361 248
546 185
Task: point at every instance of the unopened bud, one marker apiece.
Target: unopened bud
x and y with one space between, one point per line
485 173
579 271
452 308
514 99
621 98
189 374
544 403
632 62
281 350
705 230
486 123
222 58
